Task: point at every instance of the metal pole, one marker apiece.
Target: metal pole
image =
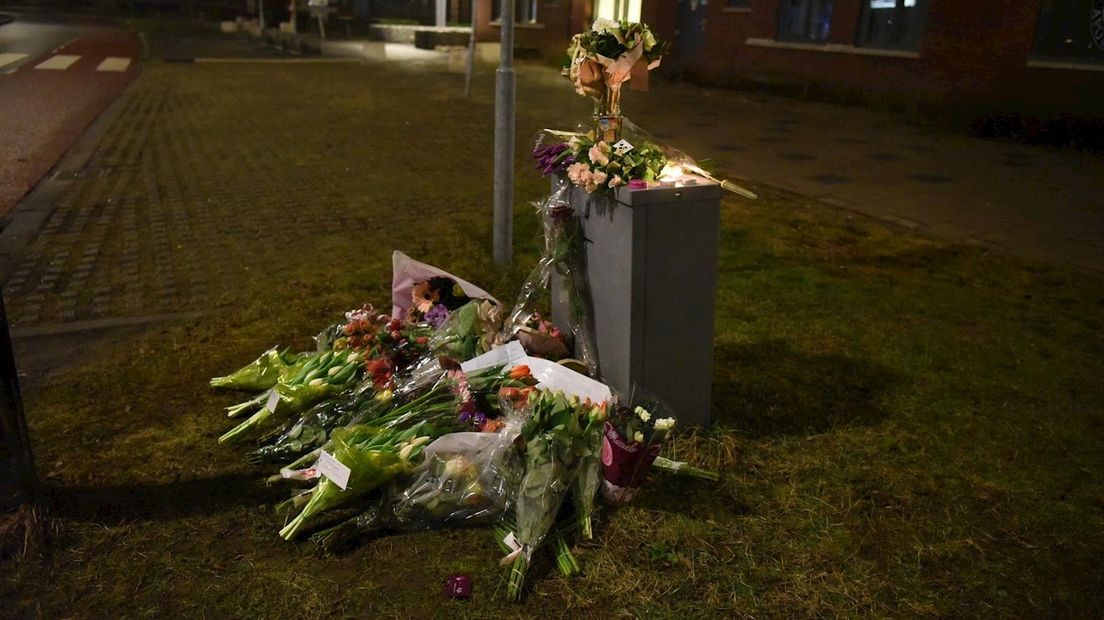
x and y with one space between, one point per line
16 458
504 141
471 50
260 16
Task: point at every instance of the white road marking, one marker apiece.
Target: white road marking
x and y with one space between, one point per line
9 58
114 63
58 63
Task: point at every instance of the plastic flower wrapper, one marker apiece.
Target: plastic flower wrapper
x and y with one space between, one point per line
453 399
406 276
360 405
589 479
323 376
426 417
373 456
561 253
633 438
262 373
611 53
466 478
555 437
468 331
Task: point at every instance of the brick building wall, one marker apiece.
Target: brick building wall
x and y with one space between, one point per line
973 56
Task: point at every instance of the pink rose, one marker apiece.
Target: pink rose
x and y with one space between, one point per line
598 177
615 181
598 154
578 173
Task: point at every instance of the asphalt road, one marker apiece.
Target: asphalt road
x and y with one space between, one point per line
57 74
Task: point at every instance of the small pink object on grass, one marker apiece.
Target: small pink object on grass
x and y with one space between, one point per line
458 587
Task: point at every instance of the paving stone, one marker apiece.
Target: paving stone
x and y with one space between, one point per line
830 179
929 178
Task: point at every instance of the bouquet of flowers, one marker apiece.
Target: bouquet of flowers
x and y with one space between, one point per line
415 420
389 446
601 166
366 344
556 439
434 299
611 53
632 440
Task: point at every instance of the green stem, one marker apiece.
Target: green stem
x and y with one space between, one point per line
236 410
235 433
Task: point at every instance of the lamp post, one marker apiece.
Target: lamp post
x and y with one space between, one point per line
504 141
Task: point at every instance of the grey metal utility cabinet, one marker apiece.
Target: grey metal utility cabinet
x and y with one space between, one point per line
651 266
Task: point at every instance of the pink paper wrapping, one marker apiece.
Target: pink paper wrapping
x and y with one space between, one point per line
405 271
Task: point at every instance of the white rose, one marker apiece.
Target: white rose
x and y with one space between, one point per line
643 414
604 25
638 437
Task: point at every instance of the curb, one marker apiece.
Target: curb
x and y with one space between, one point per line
6 19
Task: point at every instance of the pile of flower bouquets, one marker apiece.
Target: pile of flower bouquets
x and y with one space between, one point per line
444 412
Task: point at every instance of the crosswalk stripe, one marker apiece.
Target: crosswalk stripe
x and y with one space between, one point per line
9 58
114 63
58 62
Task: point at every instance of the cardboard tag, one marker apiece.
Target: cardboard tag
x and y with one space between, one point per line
273 400
622 146
505 355
516 547
333 469
511 541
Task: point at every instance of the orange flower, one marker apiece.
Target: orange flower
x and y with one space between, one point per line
519 372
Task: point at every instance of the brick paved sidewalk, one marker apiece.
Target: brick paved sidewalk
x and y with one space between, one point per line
210 171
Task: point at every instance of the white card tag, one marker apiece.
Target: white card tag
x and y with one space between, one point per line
333 469
511 541
621 147
273 400
516 548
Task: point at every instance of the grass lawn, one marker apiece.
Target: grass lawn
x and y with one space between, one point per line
904 426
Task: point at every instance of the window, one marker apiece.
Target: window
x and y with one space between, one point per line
1071 29
804 20
525 11
628 10
892 24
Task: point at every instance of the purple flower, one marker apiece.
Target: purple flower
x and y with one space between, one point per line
437 315
551 158
464 416
479 419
